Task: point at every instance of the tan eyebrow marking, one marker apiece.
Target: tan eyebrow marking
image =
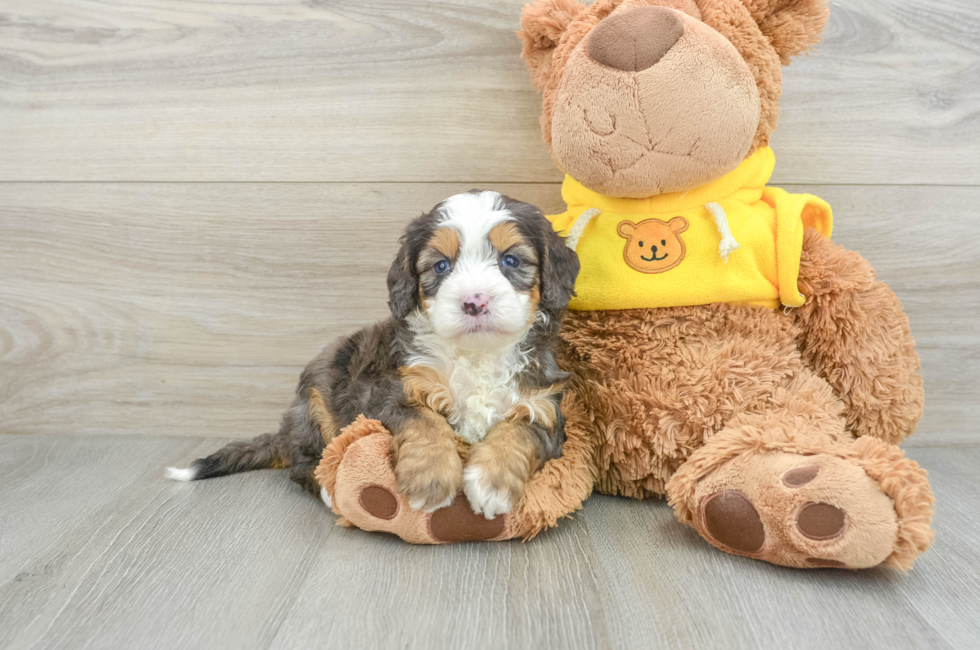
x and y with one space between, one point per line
446 241
504 235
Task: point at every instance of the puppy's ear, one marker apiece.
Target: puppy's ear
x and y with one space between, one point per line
542 26
559 268
403 281
792 26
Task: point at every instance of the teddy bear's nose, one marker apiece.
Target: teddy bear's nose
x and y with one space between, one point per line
635 39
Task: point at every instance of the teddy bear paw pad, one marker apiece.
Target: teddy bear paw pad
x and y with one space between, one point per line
458 523
796 510
733 521
820 521
378 501
800 476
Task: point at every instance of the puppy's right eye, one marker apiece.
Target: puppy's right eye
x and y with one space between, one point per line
441 266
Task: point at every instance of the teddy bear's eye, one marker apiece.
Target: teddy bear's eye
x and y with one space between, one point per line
441 266
641 244
663 242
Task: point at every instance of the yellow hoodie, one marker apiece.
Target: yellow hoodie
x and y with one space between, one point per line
732 240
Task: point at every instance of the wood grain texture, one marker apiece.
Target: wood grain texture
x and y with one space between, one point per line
385 90
924 243
98 551
168 310
190 309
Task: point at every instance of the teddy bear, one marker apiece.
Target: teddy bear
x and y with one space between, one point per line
724 353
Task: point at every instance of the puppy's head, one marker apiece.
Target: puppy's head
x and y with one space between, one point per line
481 267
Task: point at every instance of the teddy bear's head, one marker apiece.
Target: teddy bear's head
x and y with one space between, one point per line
643 97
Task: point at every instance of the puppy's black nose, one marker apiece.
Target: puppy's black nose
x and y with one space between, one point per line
474 305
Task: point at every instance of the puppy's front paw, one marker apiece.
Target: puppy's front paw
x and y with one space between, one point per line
492 493
428 474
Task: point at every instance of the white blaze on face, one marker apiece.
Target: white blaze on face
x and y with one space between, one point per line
477 272
479 350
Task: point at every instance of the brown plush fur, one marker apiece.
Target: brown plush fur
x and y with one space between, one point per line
792 26
333 454
883 471
665 415
856 335
646 417
766 33
733 21
550 31
652 402
560 487
697 402
619 133
360 458
770 433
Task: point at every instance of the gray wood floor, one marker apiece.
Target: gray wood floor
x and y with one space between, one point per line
98 551
197 196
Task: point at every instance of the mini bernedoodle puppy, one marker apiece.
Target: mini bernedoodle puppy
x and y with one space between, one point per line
477 293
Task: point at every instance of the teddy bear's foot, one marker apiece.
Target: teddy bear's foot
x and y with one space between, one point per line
794 510
358 483
824 503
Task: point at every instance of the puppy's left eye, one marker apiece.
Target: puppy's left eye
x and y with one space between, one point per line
511 261
441 266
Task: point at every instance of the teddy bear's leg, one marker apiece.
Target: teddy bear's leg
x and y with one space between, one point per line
791 487
358 483
855 335
563 484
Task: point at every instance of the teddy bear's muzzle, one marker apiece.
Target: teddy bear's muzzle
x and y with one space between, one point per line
653 101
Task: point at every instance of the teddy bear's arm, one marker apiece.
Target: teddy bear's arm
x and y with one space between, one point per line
560 487
855 334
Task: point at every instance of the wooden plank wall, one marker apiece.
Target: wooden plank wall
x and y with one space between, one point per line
196 196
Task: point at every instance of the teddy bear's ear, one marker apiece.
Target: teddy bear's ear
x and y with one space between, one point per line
542 26
792 26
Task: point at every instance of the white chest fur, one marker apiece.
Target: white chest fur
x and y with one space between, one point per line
484 384
484 387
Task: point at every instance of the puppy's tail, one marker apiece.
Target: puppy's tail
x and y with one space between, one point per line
268 451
